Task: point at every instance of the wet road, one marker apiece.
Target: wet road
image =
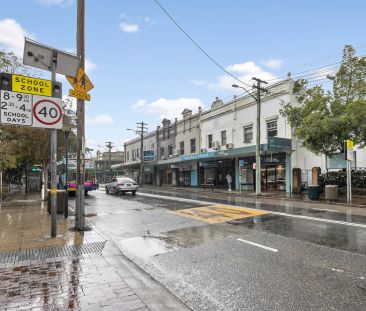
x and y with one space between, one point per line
240 256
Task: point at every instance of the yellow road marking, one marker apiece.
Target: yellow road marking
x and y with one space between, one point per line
218 213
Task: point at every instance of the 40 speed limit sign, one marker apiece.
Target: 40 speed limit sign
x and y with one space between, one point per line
47 112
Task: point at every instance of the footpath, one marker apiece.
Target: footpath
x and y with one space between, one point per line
279 198
73 271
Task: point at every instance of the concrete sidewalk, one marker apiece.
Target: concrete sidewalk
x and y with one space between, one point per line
274 198
74 271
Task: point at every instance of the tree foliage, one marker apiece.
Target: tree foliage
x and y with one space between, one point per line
324 119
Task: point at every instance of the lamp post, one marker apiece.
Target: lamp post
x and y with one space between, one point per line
258 190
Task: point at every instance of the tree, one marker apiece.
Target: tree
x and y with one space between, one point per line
324 119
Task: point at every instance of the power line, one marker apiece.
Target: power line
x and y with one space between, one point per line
200 48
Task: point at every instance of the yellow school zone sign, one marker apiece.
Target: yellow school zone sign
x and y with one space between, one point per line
31 85
81 84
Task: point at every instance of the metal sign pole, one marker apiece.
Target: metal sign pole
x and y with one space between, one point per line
349 183
53 167
80 160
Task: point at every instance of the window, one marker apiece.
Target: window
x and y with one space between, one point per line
170 150
133 155
209 138
152 146
181 147
272 128
162 153
193 145
248 134
128 155
145 147
223 138
138 153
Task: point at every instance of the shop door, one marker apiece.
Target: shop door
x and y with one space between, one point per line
271 178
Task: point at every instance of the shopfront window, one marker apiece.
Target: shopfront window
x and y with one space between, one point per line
248 134
193 145
209 139
272 128
223 138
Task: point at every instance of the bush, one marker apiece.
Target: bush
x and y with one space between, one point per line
339 178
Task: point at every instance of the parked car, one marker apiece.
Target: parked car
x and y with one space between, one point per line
121 184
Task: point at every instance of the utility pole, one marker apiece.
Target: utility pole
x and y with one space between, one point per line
53 163
80 173
258 185
141 129
109 146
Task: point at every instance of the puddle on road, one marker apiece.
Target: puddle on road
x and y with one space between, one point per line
153 245
147 246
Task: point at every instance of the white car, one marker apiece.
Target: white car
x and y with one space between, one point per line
121 184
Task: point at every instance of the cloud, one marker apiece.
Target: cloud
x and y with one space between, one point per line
89 65
273 63
102 119
129 28
12 36
139 104
167 108
56 2
244 72
200 82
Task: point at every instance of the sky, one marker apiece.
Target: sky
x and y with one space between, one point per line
145 69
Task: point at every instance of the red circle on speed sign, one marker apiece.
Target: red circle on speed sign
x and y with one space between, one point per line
58 117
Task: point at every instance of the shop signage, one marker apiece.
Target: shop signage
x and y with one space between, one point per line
279 142
241 163
208 164
197 156
149 155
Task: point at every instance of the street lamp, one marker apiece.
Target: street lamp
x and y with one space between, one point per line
258 134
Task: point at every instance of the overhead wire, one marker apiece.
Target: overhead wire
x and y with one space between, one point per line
201 49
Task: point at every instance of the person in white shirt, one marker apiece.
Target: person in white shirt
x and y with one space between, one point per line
229 181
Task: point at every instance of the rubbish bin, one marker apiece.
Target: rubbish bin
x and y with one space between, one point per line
313 192
60 201
331 192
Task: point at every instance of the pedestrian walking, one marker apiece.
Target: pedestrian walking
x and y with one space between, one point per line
229 181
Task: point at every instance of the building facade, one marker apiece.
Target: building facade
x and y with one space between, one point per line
206 147
133 156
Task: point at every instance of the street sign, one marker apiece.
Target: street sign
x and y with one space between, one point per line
81 83
16 108
47 112
349 151
79 95
31 85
